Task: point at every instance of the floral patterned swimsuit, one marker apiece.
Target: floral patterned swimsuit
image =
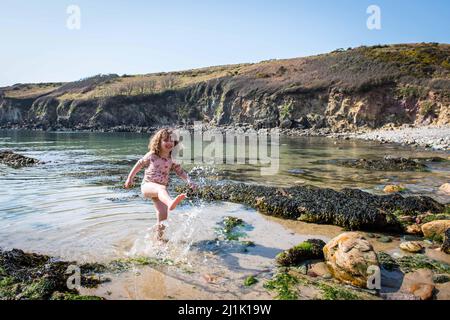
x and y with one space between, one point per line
157 169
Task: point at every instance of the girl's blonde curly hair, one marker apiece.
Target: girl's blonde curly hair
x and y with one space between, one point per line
154 145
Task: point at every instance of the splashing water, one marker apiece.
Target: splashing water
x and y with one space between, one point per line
181 231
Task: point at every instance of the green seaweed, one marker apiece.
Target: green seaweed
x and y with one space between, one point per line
336 293
387 261
433 217
411 262
250 280
8 288
73 296
127 263
284 284
228 228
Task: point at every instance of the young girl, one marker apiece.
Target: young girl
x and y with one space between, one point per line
158 163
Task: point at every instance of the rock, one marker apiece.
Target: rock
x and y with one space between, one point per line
445 188
210 278
407 219
419 283
414 229
441 278
348 256
399 296
443 291
296 171
422 290
446 242
435 229
385 239
307 250
32 276
320 269
16 160
286 124
411 246
390 188
321 205
386 164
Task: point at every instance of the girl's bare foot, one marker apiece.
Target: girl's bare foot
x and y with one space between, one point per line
176 201
162 240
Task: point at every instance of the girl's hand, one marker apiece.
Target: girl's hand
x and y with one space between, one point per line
128 184
193 186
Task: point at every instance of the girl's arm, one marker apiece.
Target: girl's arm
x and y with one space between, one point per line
137 167
183 175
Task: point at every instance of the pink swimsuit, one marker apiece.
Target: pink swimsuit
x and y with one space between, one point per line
157 169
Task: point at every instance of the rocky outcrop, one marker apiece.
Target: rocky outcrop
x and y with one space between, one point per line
385 164
349 257
16 160
350 208
29 276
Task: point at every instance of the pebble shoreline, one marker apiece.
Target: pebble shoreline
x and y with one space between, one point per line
437 138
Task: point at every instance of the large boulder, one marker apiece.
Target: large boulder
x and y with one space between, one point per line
435 229
349 256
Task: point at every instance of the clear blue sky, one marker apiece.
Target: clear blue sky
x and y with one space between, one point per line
135 37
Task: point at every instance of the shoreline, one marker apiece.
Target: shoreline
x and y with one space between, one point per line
430 138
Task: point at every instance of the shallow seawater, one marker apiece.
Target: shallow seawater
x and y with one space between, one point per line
73 206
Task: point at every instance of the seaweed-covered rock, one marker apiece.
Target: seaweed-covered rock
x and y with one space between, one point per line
435 229
387 261
446 242
349 256
16 160
307 250
352 209
36 277
411 263
388 163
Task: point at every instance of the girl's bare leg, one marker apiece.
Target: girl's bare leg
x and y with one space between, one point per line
151 189
161 215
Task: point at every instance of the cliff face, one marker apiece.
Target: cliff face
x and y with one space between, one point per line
342 90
